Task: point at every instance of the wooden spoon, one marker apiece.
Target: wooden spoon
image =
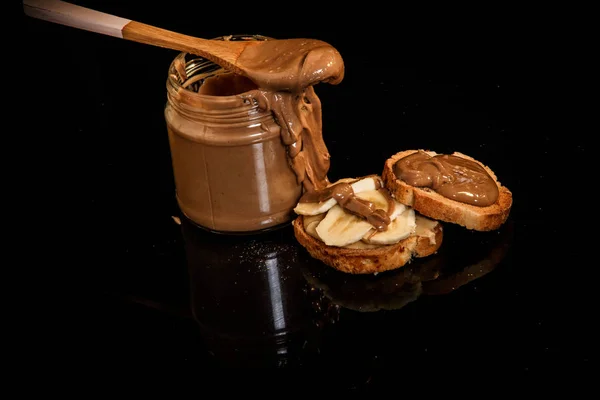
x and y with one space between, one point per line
224 53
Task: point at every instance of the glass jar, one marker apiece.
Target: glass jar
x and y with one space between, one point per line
230 166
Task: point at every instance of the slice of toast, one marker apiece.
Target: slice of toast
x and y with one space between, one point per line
433 205
370 260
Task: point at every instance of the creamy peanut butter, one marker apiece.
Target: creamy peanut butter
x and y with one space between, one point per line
344 195
451 176
285 71
244 148
230 167
292 65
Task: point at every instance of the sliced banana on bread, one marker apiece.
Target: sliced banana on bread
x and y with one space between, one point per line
355 226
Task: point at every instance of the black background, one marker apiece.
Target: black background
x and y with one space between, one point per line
489 85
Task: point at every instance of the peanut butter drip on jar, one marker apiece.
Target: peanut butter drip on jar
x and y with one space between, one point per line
299 116
285 72
451 176
344 195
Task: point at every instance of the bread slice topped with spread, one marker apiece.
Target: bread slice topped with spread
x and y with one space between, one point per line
452 188
355 226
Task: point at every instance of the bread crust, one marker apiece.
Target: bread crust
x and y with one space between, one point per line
368 261
435 206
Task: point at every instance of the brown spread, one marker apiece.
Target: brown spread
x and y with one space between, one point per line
291 65
245 147
344 195
230 167
285 71
451 176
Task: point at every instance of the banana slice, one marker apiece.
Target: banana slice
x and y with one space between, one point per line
310 224
321 207
375 197
399 208
365 184
340 228
425 228
344 180
380 201
314 208
400 228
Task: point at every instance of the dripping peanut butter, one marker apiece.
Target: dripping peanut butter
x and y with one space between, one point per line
245 148
285 71
344 195
451 176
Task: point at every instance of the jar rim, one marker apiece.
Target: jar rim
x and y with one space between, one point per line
196 69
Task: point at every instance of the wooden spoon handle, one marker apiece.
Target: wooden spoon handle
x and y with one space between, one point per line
220 52
75 16
61 12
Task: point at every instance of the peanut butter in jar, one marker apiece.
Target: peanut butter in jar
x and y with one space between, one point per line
245 147
230 166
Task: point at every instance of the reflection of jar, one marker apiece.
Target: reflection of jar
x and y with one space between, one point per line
250 300
230 166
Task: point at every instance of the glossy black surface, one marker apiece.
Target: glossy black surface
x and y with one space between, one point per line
147 291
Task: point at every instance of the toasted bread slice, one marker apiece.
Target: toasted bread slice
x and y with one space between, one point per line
433 205
373 259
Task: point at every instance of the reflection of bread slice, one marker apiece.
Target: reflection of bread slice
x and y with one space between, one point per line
364 296
449 269
448 282
433 205
371 259
369 293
